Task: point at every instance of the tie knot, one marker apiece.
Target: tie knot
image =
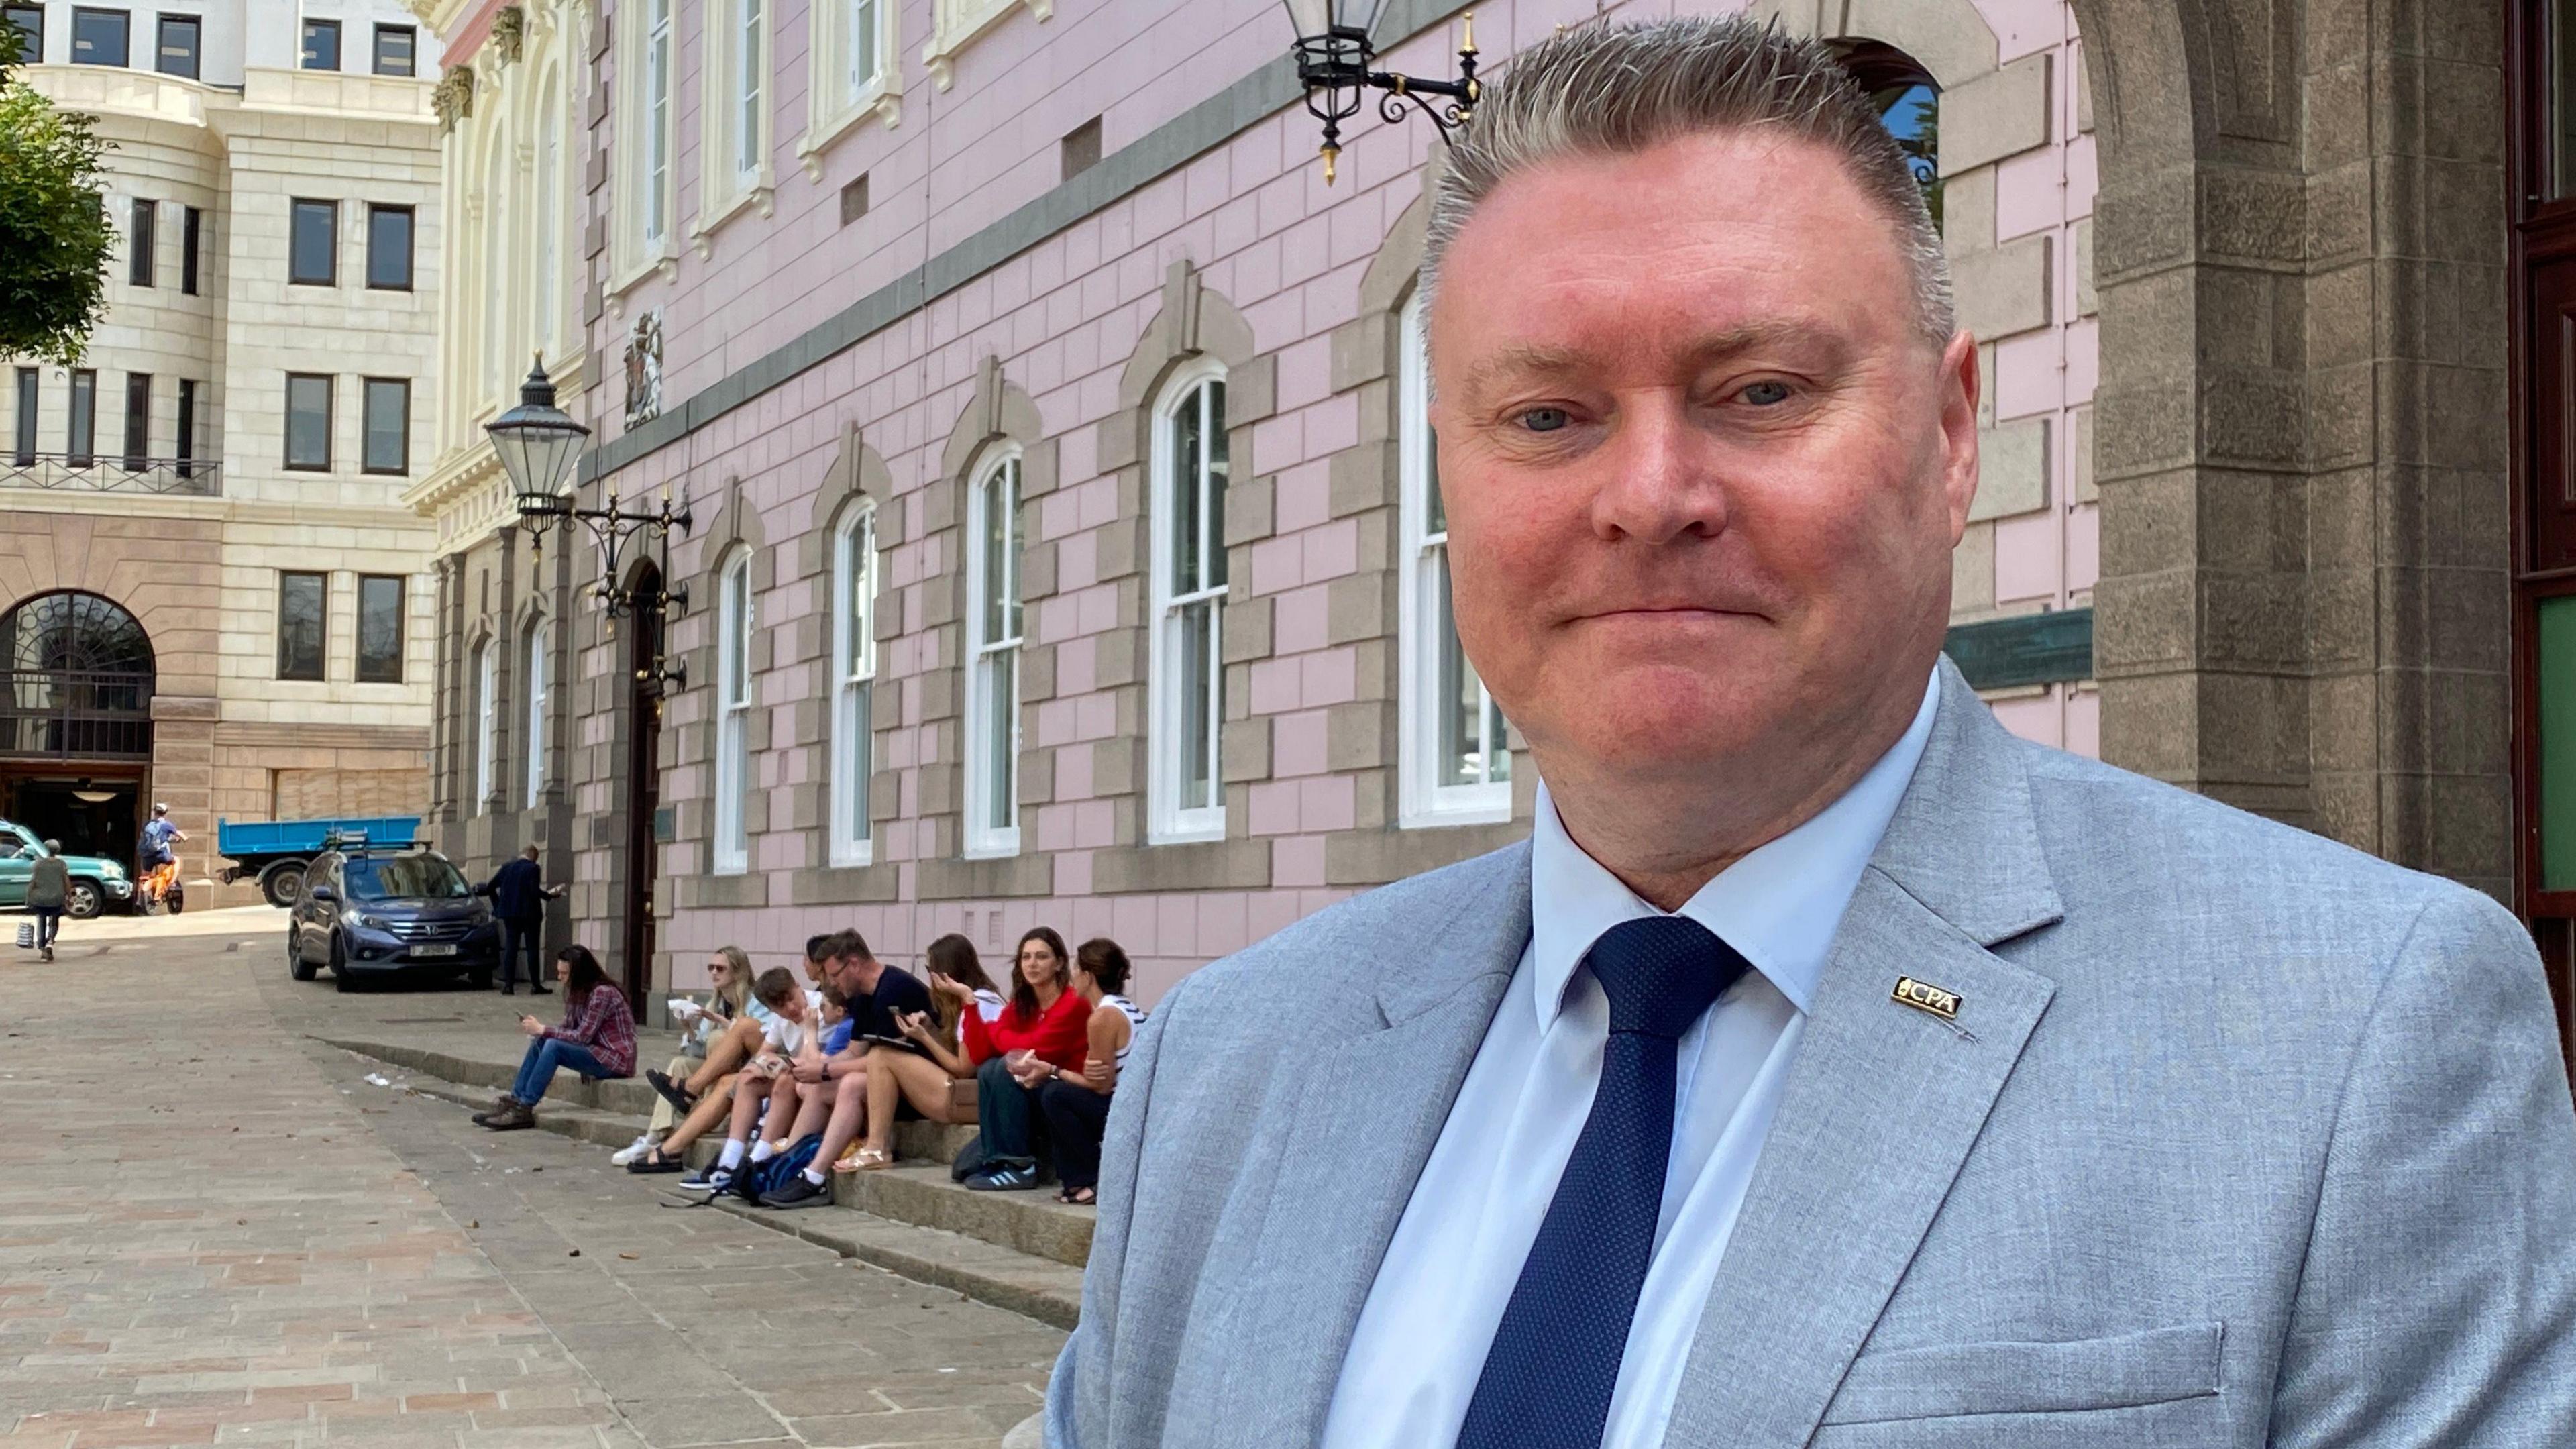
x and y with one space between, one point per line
1662 972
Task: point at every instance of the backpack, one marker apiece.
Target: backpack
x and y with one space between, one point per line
757 1182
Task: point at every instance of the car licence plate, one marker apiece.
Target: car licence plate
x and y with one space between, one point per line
442 949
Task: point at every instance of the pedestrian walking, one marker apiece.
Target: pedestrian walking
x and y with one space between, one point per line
48 883
519 895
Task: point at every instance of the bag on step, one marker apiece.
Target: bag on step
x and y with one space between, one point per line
755 1182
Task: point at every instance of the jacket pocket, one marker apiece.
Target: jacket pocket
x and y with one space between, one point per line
2127 1371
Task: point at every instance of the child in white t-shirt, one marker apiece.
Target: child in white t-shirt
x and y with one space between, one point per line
791 1037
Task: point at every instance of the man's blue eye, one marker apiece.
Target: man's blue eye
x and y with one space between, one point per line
1544 420
1766 394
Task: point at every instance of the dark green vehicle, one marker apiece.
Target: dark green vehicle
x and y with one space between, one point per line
96 884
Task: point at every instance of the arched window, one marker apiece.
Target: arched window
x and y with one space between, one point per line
76 675
486 701
1187 787
993 659
1454 767
538 676
854 672
733 715
1909 106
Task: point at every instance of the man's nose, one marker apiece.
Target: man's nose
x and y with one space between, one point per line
1659 481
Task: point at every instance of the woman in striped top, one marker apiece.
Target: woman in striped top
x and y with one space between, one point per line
1077 1103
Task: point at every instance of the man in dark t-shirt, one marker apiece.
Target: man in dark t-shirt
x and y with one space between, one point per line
879 995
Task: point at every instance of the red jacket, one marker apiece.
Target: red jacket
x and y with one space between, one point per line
1061 1034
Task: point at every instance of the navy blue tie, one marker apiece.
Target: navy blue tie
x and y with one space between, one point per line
1555 1360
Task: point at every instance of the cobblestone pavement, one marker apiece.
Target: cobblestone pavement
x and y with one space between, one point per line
216 1232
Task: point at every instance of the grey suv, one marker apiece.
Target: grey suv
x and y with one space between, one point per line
383 913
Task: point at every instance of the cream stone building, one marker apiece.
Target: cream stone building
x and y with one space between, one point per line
210 591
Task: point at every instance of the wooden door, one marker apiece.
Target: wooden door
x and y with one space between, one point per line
643 782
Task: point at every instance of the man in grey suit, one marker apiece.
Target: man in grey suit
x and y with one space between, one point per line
1831 1068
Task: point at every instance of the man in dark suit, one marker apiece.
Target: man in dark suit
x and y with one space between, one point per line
519 895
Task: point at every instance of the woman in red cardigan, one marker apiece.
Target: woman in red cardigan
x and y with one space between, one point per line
1046 1022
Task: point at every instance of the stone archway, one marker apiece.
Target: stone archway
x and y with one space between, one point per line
77 673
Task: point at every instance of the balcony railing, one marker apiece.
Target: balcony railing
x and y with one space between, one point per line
101 473
75 714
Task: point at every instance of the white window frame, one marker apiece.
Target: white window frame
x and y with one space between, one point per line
735 116
955 24
992 783
648 75
735 611
854 672
1424 800
498 182
846 93
539 686
549 197
486 722
1169 817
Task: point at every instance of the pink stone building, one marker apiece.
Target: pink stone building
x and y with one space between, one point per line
1065 550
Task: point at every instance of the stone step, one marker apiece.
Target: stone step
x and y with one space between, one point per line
1014 1250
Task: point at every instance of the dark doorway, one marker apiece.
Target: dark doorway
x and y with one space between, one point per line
643 780
89 816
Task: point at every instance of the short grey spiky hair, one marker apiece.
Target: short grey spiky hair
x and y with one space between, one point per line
1618 89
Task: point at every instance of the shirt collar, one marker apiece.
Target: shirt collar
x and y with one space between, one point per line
1779 905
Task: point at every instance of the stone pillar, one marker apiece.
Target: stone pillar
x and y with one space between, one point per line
183 777
2300 429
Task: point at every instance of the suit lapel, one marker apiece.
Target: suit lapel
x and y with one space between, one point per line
1884 1100
1361 1128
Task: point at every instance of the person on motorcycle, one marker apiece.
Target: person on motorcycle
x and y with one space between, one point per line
160 862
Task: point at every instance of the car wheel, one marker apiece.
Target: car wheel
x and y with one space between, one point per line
340 976
283 883
82 900
296 965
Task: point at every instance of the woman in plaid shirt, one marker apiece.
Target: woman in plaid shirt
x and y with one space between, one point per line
596 1040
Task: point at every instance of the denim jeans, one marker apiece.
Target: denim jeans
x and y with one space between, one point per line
1076 1119
537 1068
49 924
1007 1112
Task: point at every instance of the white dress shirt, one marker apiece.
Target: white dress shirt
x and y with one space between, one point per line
1457 1253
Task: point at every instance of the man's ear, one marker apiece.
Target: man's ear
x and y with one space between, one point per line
1960 387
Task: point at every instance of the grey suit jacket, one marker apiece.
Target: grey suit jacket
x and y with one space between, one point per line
2240 1138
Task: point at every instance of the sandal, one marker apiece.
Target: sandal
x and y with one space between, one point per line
657 1161
1078 1197
866 1159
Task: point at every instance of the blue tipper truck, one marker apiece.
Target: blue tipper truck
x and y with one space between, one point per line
274 852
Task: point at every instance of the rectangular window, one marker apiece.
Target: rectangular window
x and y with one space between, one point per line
854 652
389 247
388 440
993 690
487 668
657 120
98 37
380 629
321 45
26 439
733 717
865 45
138 420
540 642
302 603
1187 788
1454 761
750 144
186 451
192 235
29 22
80 435
396 49
313 244
138 243
308 422
177 52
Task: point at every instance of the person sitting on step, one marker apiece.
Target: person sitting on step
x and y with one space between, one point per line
596 1039
879 996
739 1043
762 1112
1045 1022
1076 1104
917 1082
703 1024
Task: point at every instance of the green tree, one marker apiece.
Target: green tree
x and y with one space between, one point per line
54 236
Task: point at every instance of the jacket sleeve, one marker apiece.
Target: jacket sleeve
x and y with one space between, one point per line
976 1035
2437 1306
1081 1393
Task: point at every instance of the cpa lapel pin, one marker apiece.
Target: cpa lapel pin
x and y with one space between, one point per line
1925 997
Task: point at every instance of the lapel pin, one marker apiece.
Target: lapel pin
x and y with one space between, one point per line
1925 997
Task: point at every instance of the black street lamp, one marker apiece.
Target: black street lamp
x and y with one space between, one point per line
1334 55
539 444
